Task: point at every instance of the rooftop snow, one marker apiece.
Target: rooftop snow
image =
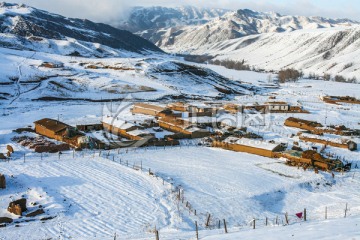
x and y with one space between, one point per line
252 143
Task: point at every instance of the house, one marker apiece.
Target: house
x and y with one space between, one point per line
57 130
148 109
277 106
193 110
51 128
125 129
182 126
252 146
302 124
52 64
179 106
340 99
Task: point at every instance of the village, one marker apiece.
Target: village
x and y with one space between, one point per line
270 132
168 125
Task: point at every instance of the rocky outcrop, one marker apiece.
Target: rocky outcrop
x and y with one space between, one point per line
17 207
2 181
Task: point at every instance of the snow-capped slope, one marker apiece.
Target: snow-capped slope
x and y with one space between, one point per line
142 78
31 24
152 22
333 51
145 18
241 23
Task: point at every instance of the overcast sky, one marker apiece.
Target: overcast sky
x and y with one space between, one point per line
110 10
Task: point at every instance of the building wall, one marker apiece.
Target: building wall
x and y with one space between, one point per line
46 132
246 149
173 128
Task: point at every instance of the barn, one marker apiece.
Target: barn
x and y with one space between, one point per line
252 146
302 124
58 130
51 128
147 109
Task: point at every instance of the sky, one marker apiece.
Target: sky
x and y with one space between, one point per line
113 10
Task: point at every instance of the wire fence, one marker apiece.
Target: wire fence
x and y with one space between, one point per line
203 220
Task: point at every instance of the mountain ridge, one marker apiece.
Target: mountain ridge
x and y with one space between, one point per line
24 21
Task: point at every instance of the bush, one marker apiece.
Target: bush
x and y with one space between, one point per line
339 78
327 77
289 75
232 64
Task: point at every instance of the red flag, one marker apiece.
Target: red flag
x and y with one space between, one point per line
299 215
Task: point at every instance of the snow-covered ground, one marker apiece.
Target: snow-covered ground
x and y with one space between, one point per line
103 197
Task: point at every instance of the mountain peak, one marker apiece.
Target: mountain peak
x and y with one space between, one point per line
25 22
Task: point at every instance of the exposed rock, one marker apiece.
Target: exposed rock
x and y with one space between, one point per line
5 220
17 207
2 181
35 213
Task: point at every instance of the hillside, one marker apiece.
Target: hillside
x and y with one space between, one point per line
92 79
333 51
29 26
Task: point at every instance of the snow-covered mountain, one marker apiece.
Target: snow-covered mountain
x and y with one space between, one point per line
31 26
145 18
241 23
333 51
152 22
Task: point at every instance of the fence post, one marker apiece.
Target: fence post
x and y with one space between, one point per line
266 221
197 230
113 158
208 220
24 157
325 212
305 214
277 223
346 209
225 226
286 218
254 223
156 234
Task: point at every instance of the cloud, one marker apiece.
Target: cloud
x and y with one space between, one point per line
113 10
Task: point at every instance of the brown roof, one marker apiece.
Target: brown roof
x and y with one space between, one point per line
52 124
